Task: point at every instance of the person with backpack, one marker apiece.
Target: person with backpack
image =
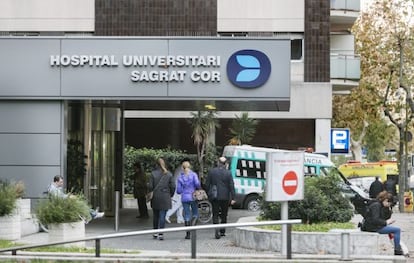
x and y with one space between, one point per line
378 219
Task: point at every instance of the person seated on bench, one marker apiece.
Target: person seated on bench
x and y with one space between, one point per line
56 189
378 219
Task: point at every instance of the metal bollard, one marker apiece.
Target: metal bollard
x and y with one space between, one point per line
345 246
117 211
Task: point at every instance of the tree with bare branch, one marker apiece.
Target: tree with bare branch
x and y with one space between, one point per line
384 40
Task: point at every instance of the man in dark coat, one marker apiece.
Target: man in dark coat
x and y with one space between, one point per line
140 190
375 188
221 178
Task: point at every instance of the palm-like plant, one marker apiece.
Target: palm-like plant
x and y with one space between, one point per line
243 129
203 124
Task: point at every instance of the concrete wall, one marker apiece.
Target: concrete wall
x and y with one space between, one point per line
47 15
268 16
31 140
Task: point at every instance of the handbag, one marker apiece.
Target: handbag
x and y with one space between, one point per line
212 193
150 195
200 195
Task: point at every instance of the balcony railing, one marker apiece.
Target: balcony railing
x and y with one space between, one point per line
345 67
354 5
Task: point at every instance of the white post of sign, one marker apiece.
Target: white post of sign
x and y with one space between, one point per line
284 215
284 182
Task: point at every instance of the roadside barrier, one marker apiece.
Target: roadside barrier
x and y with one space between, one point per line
192 229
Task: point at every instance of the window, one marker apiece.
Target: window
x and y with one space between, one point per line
310 170
296 40
296 49
251 169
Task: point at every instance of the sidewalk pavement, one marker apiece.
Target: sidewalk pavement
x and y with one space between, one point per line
175 246
174 242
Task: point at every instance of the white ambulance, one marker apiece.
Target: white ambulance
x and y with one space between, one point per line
248 168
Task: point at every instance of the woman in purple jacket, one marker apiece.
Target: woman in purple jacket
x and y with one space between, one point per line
187 183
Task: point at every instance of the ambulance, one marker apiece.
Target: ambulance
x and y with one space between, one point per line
363 174
247 165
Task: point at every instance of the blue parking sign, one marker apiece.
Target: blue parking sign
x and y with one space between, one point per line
340 140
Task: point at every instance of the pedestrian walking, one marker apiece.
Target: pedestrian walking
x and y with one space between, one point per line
140 190
162 186
177 206
187 183
220 186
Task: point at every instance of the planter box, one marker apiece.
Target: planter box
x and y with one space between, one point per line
361 243
10 227
129 203
67 231
24 208
28 223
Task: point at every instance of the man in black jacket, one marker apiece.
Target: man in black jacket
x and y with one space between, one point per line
221 178
375 188
391 187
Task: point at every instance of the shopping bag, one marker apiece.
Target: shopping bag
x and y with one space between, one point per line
200 195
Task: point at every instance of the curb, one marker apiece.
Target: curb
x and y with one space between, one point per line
166 256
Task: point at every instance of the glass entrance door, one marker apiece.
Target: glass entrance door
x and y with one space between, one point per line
102 170
93 129
101 179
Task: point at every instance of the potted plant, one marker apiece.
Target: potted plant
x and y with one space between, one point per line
10 222
64 217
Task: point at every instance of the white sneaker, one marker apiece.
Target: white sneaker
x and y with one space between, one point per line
85 221
99 215
180 221
167 219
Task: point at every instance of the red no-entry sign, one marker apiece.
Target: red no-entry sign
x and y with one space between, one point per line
284 176
290 183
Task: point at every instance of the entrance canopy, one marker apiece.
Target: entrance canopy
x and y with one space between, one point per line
159 73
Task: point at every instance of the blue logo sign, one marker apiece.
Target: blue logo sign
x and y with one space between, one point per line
340 140
248 69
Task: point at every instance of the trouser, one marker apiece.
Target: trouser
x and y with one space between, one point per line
394 230
190 210
177 207
158 219
220 210
92 212
142 206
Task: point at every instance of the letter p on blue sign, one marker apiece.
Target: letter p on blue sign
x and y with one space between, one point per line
340 141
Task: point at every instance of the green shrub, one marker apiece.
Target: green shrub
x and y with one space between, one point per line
76 166
9 192
323 202
147 158
7 199
55 210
